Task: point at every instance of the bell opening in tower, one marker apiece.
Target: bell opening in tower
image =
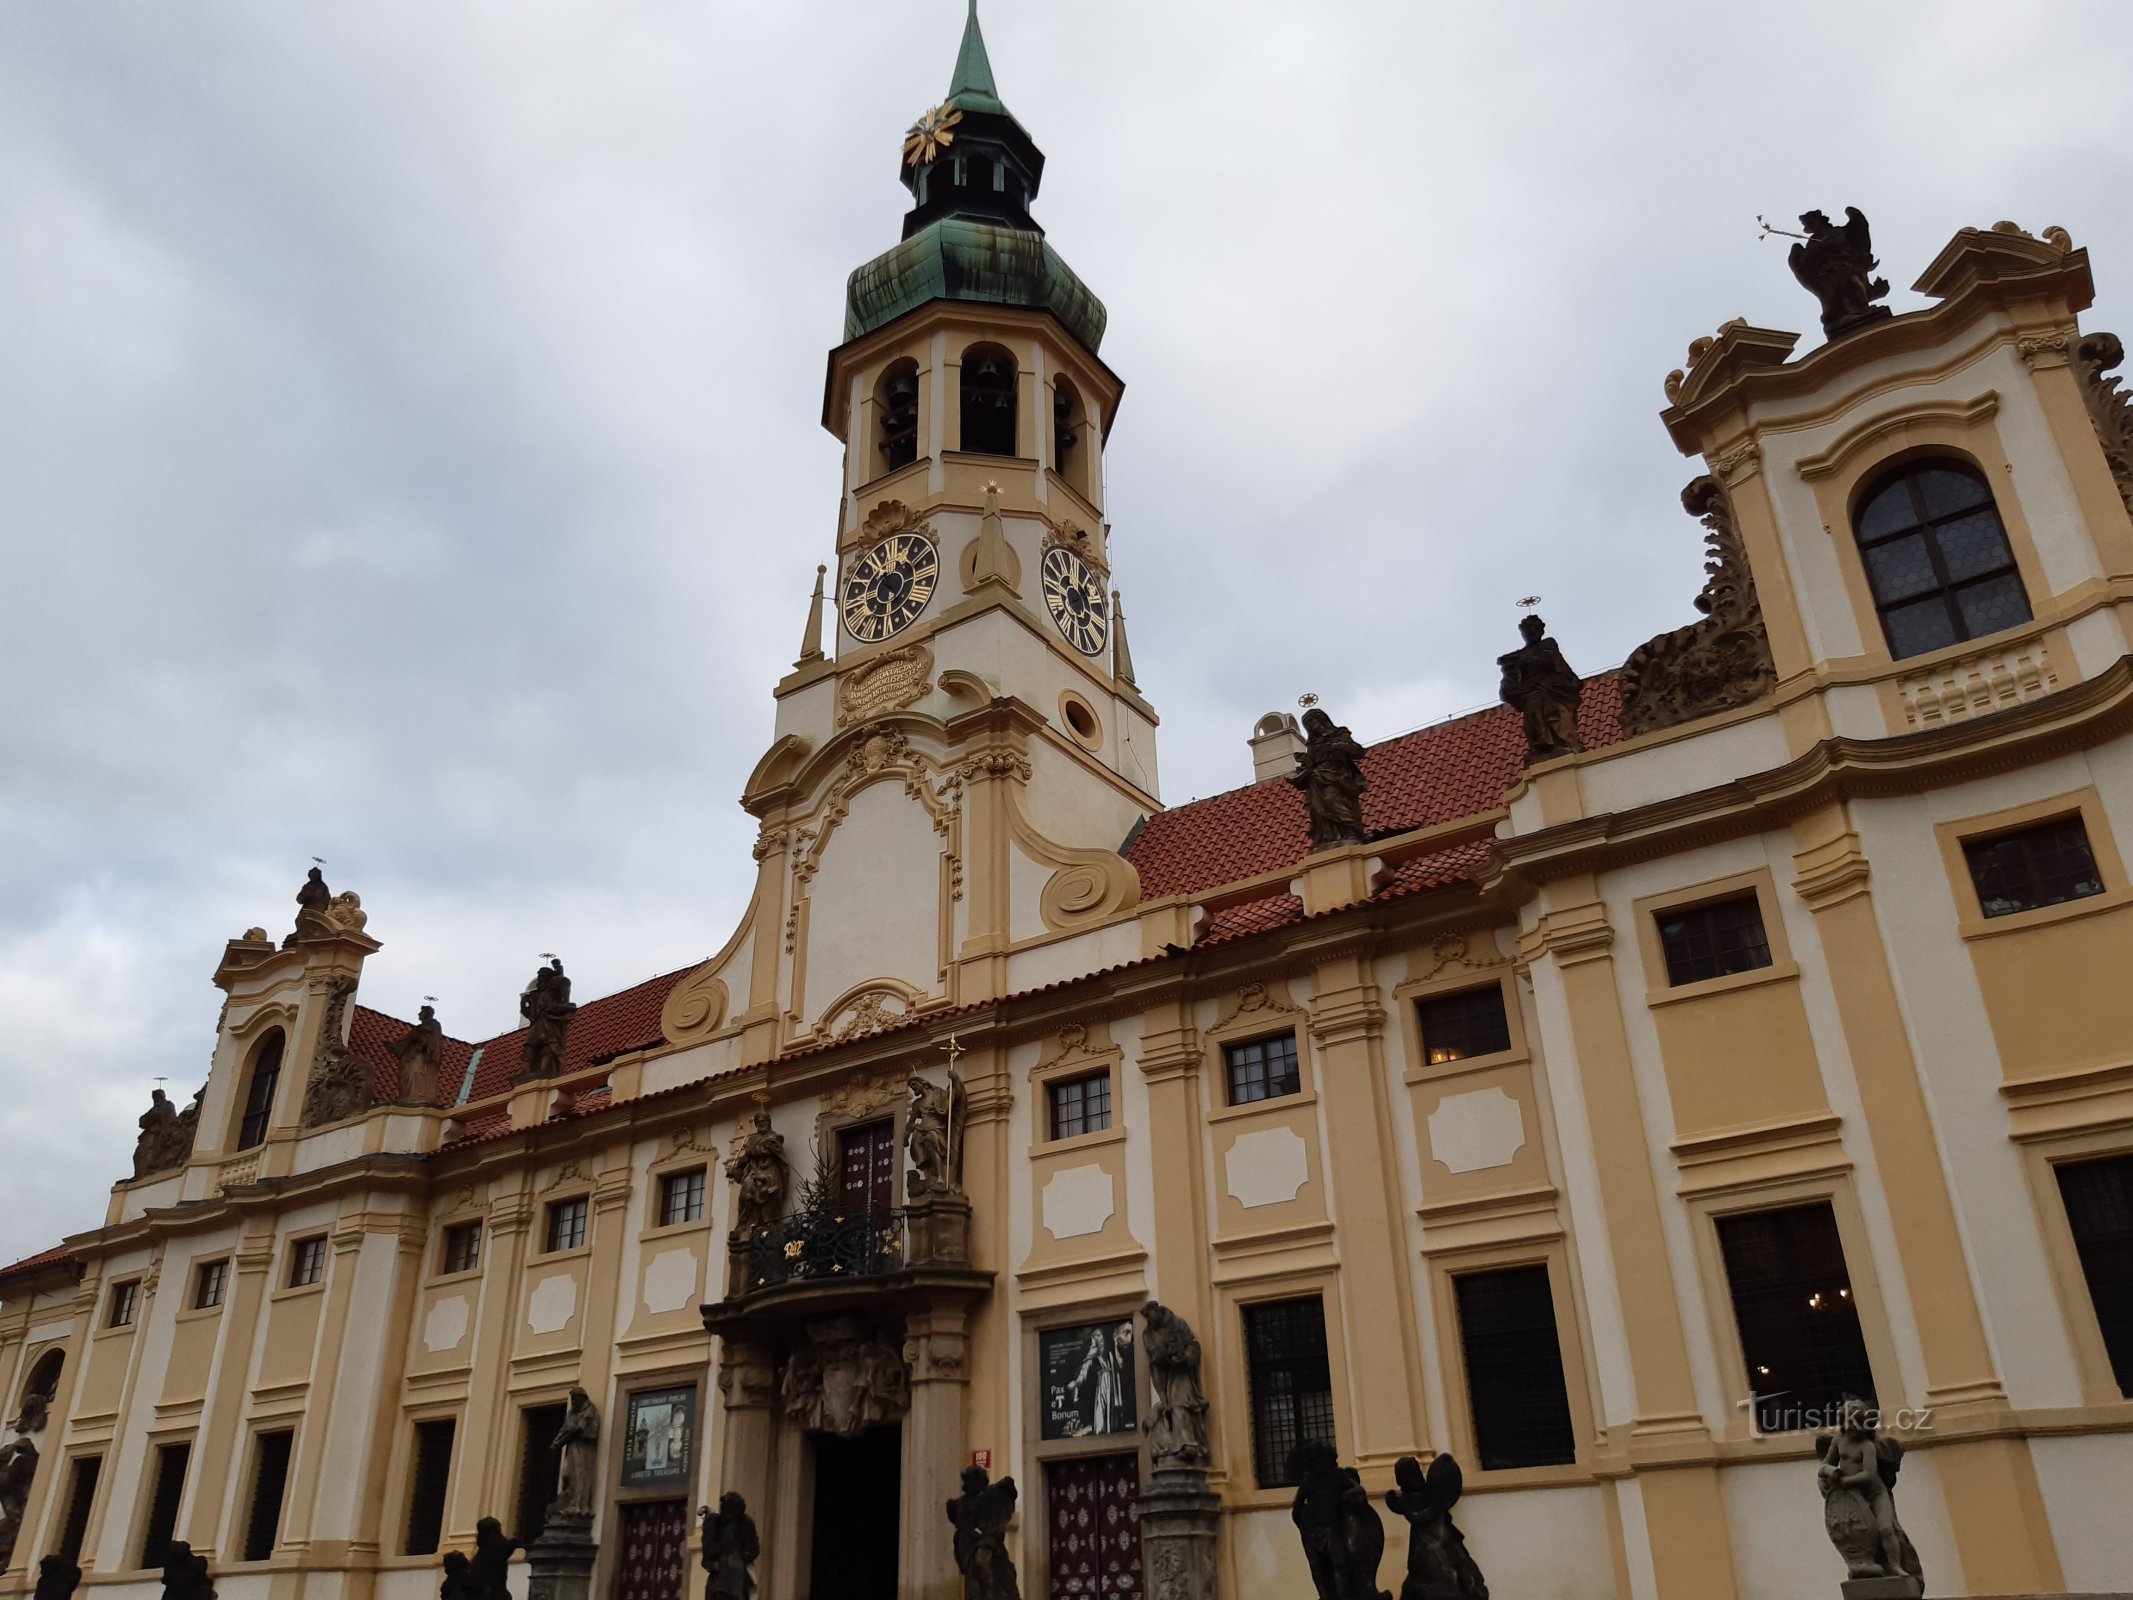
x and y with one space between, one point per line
857 1515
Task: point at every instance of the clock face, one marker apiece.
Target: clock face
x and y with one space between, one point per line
1074 595
889 586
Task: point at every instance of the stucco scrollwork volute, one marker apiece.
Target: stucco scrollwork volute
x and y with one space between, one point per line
696 1007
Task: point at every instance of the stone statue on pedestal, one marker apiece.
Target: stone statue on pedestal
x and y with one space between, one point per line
1343 1539
1329 771
18 1466
311 903
166 1138
57 1578
1177 1421
1832 264
730 1547
185 1575
546 1006
760 1178
458 1581
1857 1475
420 1052
1538 682
577 1483
488 1575
980 1515
933 1136
1438 1566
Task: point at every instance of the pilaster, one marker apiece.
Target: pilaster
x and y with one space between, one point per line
937 1350
223 1409
747 1387
1170 1060
483 1476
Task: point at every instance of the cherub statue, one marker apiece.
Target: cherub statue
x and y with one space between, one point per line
458 1581
1343 1539
185 1575
980 1515
1832 264
730 1547
1858 1481
1329 771
1438 1566
489 1572
57 1578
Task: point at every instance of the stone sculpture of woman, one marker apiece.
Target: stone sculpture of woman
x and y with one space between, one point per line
1177 1422
760 1177
1539 684
420 1052
579 1442
1329 771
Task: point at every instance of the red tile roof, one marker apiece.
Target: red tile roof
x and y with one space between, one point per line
1453 769
43 1261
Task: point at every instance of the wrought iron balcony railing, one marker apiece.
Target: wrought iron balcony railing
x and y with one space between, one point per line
810 1247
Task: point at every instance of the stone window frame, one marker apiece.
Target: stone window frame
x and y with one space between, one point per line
1039 1451
822 1145
1279 1014
400 1481
1646 910
108 1322
549 1206
441 1268
1075 1064
2086 803
1226 1362
680 1162
193 1309
433 1258
1550 1250
2041 1157
1407 1001
152 1447
247 1489
290 1257
1832 1187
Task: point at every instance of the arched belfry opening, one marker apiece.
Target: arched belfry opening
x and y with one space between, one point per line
896 405
988 401
1069 418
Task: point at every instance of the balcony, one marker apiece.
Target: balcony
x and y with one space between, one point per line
807 1248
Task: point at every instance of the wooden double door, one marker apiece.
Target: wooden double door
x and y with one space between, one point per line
1092 1537
653 1563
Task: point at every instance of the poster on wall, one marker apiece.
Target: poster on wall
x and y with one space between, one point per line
1087 1375
661 1442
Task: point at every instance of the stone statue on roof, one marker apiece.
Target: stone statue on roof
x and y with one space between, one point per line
166 1137
546 1006
420 1052
1832 264
1538 682
311 903
1329 771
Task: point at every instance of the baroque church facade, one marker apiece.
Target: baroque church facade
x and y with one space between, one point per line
1598 1089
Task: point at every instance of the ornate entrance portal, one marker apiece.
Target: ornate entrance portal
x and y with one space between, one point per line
857 1515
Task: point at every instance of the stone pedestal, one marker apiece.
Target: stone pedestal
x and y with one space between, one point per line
939 1231
559 1565
1903 1588
1179 1516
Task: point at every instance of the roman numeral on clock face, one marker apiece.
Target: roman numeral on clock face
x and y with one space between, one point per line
1074 595
888 587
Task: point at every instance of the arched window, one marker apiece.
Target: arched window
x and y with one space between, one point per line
259 1092
988 401
44 1377
1937 557
896 405
1066 430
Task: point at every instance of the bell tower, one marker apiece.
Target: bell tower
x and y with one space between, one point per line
965 636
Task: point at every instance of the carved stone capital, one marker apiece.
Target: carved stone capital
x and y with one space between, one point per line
1345 1016
1572 936
1833 872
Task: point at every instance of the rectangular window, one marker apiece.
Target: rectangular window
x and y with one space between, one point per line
1080 1105
2041 866
462 1247
1799 1327
426 1485
1290 1380
1469 1023
270 1478
2099 1209
566 1223
169 1481
307 1261
81 1498
1514 1368
125 1303
539 1462
1710 941
1262 1069
866 1169
210 1278
681 1197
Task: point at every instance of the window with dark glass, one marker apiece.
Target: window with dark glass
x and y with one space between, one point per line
988 401
539 1461
1290 1380
866 1169
168 1490
1793 1304
426 1486
210 1279
681 1197
81 1498
1080 1105
2099 1209
307 1261
259 1093
125 1303
1937 558
2040 866
1262 1069
270 1480
462 1247
1469 1023
566 1223
1514 1368
896 406
1710 941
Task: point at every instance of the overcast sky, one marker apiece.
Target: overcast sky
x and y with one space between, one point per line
409 443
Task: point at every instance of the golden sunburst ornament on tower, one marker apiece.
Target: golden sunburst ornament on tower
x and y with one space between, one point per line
930 135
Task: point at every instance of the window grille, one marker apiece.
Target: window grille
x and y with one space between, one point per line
426 1485
462 1247
307 1261
1262 1069
270 1479
209 1281
2099 1209
1291 1383
1937 558
566 1223
1514 1368
1469 1023
539 1461
171 1462
1710 941
681 1197
1799 1325
1080 1105
2041 866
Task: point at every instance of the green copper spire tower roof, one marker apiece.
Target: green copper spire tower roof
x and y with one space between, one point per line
973 88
